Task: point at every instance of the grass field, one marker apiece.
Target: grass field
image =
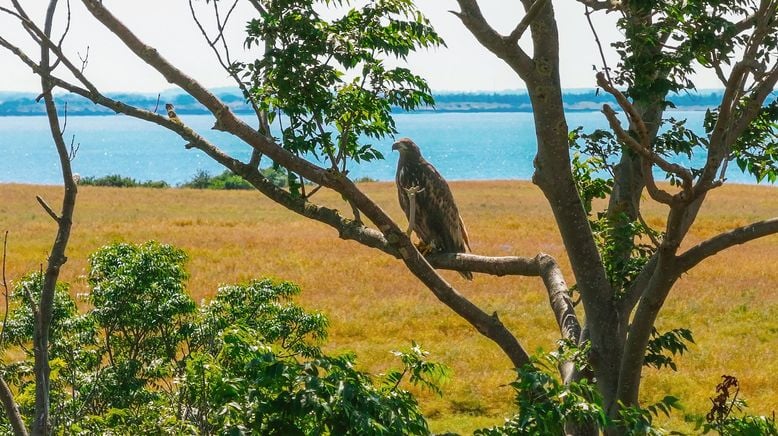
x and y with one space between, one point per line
375 306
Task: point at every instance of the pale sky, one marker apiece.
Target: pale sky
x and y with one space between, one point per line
167 24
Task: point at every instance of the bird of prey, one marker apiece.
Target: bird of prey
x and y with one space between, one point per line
171 114
428 203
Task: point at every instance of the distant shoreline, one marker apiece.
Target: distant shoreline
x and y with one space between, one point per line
577 100
418 112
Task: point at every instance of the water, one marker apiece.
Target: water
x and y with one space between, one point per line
463 146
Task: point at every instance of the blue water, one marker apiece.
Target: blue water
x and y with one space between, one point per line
464 146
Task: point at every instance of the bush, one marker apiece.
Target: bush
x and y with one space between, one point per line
118 181
229 180
145 359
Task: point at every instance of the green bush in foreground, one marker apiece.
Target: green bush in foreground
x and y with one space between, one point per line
144 358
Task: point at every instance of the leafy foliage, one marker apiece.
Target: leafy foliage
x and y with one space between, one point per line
228 180
145 359
673 341
640 421
427 374
546 404
329 78
756 150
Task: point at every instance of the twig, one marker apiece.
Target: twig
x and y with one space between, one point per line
605 67
5 291
84 60
47 208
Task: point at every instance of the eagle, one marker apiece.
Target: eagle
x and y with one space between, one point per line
428 203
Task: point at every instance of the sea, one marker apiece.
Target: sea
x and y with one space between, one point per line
462 146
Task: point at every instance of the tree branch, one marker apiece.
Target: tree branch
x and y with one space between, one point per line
47 208
12 409
642 145
656 193
490 326
600 5
503 47
57 257
718 243
523 25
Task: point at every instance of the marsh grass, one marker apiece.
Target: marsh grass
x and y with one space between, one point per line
375 306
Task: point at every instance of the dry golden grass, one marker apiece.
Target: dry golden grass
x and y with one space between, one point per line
375 306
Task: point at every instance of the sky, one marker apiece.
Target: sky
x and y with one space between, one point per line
168 25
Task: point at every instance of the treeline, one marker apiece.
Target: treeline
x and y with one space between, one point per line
227 180
507 101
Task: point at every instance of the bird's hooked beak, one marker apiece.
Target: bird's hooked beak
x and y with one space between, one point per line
396 146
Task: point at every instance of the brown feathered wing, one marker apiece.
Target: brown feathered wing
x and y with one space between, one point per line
438 223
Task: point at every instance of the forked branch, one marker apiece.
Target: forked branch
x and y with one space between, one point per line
642 144
525 22
505 47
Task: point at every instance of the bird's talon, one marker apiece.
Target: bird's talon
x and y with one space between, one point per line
423 248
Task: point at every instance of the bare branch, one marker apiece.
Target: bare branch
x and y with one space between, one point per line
636 121
745 24
718 243
258 6
5 291
226 62
641 145
506 49
600 5
47 208
605 68
57 256
656 193
523 25
46 41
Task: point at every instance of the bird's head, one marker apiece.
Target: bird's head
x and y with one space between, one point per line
406 146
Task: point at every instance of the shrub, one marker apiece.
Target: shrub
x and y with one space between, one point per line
118 181
145 359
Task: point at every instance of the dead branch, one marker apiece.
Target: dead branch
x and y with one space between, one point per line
47 208
224 59
489 326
